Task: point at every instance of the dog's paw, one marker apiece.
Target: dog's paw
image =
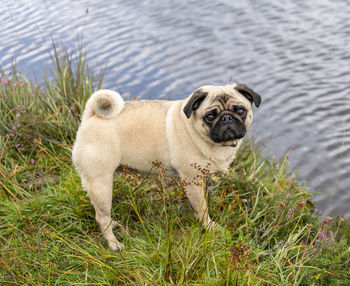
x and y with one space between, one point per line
212 225
115 245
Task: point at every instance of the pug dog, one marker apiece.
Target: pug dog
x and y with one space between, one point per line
205 129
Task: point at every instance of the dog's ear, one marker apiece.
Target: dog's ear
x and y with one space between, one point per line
250 94
194 102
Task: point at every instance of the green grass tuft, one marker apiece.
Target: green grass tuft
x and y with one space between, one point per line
48 234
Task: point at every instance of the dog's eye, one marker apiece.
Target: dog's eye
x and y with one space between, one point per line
241 112
210 117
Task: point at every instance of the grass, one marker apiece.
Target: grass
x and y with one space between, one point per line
48 234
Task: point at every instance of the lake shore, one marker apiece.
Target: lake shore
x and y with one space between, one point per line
270 233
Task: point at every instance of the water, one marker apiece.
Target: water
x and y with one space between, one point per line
296 54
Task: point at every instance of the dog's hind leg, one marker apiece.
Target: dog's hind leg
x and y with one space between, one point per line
100 193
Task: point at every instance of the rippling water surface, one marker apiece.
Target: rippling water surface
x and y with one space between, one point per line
296 54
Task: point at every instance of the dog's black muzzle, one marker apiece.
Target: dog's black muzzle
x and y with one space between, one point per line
227 128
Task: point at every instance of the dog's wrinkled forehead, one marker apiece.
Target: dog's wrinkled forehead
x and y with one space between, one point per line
224 97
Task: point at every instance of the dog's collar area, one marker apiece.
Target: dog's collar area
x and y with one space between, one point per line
234 144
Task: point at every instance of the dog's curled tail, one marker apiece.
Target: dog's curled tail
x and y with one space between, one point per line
103 103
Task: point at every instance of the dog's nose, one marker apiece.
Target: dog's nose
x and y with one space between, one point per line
226 119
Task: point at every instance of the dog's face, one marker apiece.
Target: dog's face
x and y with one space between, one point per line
222 114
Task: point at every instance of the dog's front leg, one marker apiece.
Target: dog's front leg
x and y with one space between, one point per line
196 194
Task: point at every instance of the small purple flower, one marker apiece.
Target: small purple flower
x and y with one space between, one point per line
18 124
7 136
290 211
14 128
18 145
18 115
322 234
32 161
